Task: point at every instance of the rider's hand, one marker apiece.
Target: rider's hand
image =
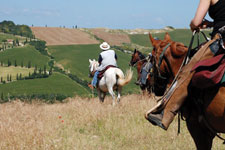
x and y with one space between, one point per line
206 24
194 27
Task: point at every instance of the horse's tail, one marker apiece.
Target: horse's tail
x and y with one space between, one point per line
124 80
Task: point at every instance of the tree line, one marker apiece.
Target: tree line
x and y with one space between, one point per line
11 28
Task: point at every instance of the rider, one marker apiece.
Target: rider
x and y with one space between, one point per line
106 58
216 10
146 69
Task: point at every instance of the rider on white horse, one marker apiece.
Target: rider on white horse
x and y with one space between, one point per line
106 58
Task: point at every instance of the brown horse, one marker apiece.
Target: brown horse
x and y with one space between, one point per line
168 56
204 109
139 60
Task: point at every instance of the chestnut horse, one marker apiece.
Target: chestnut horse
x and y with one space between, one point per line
203 109
168 57
139 60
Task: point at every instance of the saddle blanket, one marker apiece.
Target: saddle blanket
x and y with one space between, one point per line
101 73
209 72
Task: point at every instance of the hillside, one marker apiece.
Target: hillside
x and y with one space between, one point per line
62 36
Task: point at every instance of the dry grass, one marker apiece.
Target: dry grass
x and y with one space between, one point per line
85 124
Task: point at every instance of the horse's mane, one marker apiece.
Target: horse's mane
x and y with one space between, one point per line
141 55
177 49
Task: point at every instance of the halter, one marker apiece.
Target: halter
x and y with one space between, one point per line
91 73
140 55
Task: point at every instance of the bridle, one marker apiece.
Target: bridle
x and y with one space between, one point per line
158 65
93 68
137 61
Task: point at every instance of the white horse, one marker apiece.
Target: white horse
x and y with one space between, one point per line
113 79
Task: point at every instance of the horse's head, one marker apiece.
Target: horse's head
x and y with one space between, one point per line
92 67
168 56
136 56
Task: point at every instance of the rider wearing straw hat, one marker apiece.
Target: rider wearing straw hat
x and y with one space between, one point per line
106 58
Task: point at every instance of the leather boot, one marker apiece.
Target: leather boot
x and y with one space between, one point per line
163 117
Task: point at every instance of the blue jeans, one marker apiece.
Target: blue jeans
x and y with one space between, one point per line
144 77
95 79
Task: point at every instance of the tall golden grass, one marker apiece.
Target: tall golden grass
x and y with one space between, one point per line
86 124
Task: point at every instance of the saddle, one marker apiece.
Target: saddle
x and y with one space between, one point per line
101 73
209 72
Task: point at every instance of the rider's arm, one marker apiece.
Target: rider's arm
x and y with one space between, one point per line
100 59
200 14
115 56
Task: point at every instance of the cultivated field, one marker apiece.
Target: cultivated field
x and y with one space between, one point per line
85 124
55 84
14 71
111 38
62 36
24 55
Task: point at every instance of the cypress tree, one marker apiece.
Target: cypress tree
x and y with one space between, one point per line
15 64
29 64
20 76
17 76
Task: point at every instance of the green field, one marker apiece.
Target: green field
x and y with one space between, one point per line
13 71
24 55
55 84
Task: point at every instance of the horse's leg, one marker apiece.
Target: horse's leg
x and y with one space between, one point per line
112 94
119 93
100 96
103 96
203 138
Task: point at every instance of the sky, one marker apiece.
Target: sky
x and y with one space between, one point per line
114 14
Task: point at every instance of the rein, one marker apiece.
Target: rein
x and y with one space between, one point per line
139 61
161 58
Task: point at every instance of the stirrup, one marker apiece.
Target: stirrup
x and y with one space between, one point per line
156 120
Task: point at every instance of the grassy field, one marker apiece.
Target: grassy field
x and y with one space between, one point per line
13 71
55 84
85 124
4 36
24 54
75 59
178 35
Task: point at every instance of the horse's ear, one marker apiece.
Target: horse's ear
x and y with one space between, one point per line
135 50
90 61
152 40
167 37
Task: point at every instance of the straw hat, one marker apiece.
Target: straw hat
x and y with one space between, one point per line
105 46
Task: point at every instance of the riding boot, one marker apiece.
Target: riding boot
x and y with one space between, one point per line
164 113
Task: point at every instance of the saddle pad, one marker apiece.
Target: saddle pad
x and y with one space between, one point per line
208 76
208 62
101 73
